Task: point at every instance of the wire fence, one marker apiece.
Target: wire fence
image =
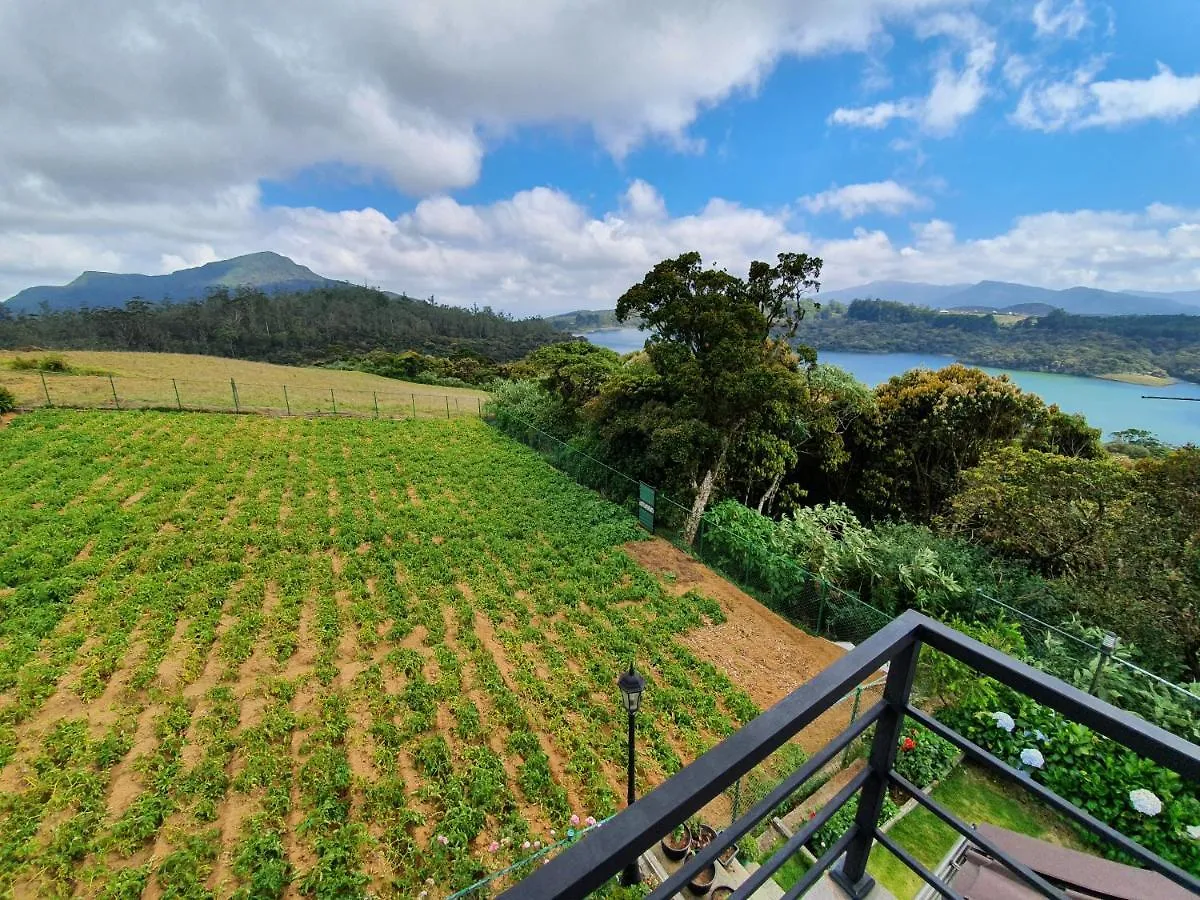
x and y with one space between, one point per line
295 399
1083 659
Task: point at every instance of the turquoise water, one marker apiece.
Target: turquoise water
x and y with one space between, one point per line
1108 405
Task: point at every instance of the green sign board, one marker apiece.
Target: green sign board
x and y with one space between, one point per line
646 507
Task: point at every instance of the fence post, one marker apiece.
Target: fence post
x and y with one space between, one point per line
851 876
112 384
823 590
49 402
853 715
375 399
237 406
479 406
737 801
447 406
178 402
1108 644
414 400
334 400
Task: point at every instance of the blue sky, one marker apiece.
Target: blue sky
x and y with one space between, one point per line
542 155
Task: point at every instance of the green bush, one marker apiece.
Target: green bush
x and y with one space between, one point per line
7 401
841 820
923 757
1091 771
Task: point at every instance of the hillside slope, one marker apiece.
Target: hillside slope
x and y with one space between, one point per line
266 271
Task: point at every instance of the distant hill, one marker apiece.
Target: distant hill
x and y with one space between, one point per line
1001 296
269 272
913 292
590 320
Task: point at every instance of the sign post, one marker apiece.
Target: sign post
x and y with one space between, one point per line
646 507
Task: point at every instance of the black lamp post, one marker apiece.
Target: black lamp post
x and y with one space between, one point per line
632 686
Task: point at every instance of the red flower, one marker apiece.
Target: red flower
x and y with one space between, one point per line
909 744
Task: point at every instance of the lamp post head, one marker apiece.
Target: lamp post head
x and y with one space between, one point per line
632 686
1109 642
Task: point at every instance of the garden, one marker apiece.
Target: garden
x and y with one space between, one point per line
244 655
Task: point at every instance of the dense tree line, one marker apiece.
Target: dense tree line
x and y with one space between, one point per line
960 480
301 327
1058 342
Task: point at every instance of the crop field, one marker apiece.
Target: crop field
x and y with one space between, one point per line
170 380
267 657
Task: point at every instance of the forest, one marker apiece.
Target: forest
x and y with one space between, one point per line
304 327
920 493
1058 342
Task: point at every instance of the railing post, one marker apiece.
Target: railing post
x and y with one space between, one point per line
49 402
851 876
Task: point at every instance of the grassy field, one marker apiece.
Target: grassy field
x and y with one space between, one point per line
974 796
318 656
203 382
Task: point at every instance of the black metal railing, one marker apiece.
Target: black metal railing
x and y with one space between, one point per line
601 855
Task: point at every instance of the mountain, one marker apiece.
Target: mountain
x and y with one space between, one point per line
911 292
267 271
1001 296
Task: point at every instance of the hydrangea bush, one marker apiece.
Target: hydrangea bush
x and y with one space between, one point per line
1142 800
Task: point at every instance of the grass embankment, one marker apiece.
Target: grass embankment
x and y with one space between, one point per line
975 797
203 382
1136 378
241 652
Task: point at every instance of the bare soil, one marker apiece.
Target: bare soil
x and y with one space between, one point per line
761 652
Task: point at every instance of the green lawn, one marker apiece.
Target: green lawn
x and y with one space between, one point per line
974 796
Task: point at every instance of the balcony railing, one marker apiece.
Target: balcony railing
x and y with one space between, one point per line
604 853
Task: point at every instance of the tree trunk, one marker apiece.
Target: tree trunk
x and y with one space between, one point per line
769 493
704 493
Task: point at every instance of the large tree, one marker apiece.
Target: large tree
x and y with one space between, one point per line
721 359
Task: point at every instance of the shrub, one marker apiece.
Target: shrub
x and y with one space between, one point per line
7 401
1091 771
841 820
923 757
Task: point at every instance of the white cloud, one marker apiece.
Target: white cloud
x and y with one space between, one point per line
856 199
1082 102
541 251
1017 70
1065 18
959 85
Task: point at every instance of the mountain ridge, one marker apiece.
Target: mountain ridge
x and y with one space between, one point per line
266 270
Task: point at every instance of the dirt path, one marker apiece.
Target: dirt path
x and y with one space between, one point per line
762 653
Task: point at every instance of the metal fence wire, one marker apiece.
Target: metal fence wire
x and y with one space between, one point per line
824 609
183 394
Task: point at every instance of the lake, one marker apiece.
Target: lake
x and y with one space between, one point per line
1108 405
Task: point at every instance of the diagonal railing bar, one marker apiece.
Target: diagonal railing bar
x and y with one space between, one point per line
1084 818
793 844
1035 881
911 861
764 807
593 861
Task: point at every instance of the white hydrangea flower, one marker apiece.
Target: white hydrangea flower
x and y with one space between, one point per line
1004 720
1193 831
1037 733
1031 756
1146 802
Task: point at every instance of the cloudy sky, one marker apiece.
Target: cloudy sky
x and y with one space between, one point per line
541 155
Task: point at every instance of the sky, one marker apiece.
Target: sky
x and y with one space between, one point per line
539 156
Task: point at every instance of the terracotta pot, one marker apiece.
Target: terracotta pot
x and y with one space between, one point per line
677 849
700 884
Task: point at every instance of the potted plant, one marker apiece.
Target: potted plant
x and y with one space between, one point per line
721 893
728 855
703 880
677 842
702 836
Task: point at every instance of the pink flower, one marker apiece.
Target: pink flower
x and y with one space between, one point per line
537 845
525 846
546 861
590 820
493 847
574 820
